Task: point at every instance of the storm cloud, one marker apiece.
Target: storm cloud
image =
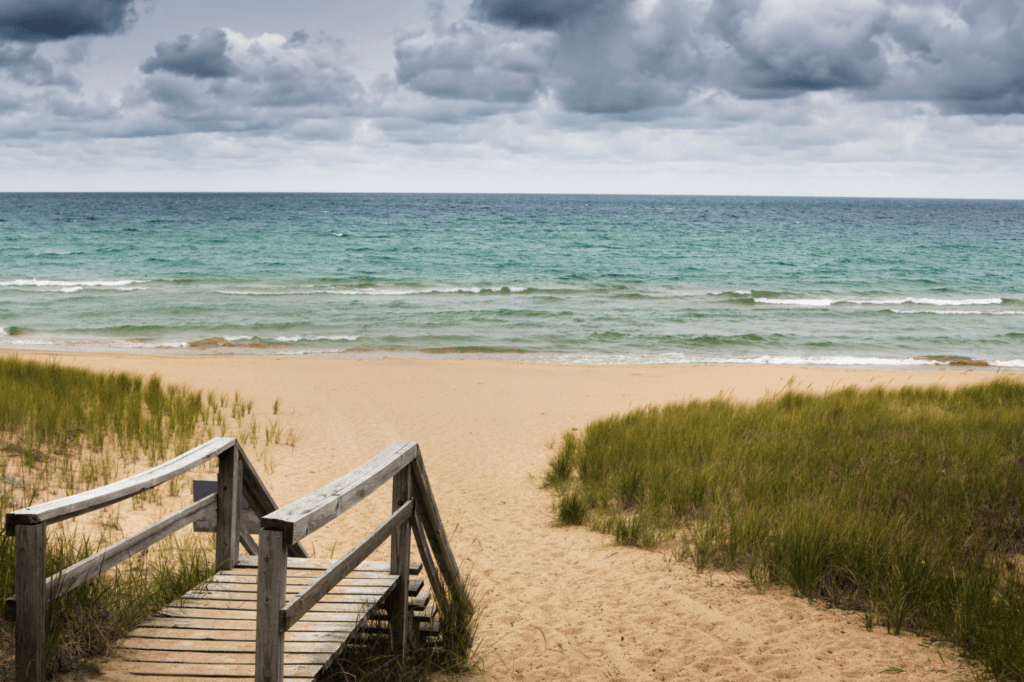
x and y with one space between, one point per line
619 57
203 56
220 80
43 20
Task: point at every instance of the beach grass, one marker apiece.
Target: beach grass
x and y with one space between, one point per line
66 429
906 505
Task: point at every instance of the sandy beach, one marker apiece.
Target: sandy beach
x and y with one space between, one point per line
558 603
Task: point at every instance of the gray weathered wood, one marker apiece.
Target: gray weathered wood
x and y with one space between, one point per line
322 585
439 589
323 564
434 529
270 596
249 544
91 500
398 606
29 587
302 517
87 569
228 504
260 499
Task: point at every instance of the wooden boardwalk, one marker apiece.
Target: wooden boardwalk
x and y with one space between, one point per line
210 633
277 614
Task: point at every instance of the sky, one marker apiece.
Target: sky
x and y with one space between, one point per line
902 98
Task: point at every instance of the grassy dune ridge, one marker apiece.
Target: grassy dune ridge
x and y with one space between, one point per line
904 504
66 429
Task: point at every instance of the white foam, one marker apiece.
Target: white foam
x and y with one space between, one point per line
2 332
806 302
940 312
237 338
71 290
65 284
1007 363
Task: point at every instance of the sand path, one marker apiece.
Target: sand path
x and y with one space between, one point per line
558 603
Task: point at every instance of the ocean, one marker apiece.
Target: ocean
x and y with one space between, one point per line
542 278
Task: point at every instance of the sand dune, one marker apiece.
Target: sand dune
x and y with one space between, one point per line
559 603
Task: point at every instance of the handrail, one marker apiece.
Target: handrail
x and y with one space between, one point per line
91 500
315 591
236 478
305 515
414 512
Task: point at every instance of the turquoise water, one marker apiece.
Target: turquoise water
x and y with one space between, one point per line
598 279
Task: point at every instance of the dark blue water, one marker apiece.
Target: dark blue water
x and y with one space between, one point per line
548 278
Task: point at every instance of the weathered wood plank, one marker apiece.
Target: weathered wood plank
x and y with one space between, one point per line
398 601
302 517
214 646
250 616
91 500
229 476
221 657
87 569
439 590
30 588
248 543
239 580
336 606
323 564
332 576
344 622
434 529
270 595
260 500
336 635
213 670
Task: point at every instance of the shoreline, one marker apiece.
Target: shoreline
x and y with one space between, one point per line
557 603
254 347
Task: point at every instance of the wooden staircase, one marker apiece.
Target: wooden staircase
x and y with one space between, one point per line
272 616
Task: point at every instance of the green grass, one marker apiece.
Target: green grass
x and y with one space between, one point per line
66 429
907 505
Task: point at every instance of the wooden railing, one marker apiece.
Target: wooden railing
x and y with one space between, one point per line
236 478
414 512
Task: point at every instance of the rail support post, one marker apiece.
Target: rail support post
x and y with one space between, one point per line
398 603
30 616
228 479
271 583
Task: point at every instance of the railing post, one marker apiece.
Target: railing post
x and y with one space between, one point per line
228 484
271 583
398 603
30 616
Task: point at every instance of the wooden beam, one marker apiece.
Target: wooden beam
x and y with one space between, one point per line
87 569
439 589
398 604
30 585
228 484
270 595
434 529
260 500
302 517
305 600
91 500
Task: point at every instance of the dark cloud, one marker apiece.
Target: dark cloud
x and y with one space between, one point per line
620 57
474 61
803 48
21 63
201 57
42 20
536 13
224 81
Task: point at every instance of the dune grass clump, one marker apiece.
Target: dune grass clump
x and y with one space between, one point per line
66 429
907 505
